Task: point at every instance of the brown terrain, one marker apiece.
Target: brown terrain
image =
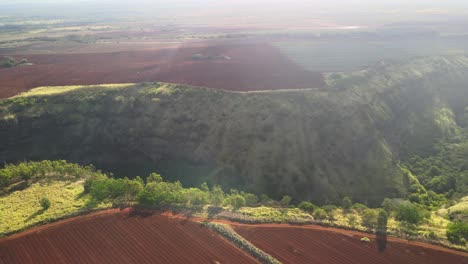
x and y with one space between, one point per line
320 245
150 237
237 66
115 237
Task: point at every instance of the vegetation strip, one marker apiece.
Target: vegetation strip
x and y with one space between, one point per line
34 193
231 235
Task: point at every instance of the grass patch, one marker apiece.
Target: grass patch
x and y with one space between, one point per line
21 209
55 90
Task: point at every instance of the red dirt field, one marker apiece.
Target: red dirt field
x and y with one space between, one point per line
253 66
315 244
115 237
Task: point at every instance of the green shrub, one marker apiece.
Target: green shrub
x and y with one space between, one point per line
154 177
369 218
347 203
33 171
391 205
161 193
45 203
359 207
216 195
320 214
365 240
236 201
409 213
307 207
382 221
457 232
195 196
250 199
286 200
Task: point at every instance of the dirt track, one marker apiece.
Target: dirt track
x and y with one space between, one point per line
113 237
253 66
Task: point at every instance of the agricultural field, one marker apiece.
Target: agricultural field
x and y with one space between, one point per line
349 54
325 245
120 237
241 66
133 236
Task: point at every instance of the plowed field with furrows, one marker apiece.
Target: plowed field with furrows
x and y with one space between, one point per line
230 66
117 237
325 246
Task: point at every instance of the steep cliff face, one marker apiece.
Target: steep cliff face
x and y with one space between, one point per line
322 145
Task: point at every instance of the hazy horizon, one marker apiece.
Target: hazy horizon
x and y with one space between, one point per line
344 13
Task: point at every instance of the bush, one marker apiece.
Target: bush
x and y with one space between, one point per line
236 201
286 200
347 203
161 193
409 213
154 177
320 214
365 240
330 210
307 207
382 221
369 218
390 205
195 196
250 199
457 232
217 195
45 203
359 207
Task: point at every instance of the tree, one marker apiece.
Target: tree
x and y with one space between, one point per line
320 214
369 218
216 195
408 212
195 196
330 210
359 207
45 203
204 187
286 200
457 232
154 177
390 205
265 200
161 193
382 220
347 203
236 201
250 199
307 207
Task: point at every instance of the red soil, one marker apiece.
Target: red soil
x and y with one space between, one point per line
254 66
314 244
114 237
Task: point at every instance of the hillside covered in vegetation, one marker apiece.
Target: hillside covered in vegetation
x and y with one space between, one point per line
369 135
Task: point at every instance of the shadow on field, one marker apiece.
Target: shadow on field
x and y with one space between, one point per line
39 212
381 240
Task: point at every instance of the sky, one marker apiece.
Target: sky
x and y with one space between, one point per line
348 12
